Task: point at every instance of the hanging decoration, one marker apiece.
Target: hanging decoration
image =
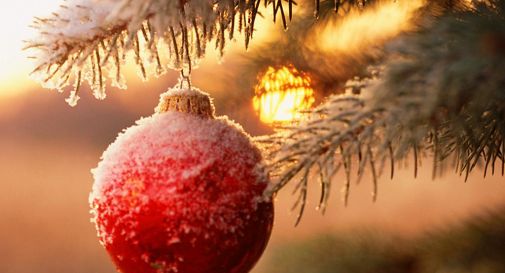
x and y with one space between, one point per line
182 191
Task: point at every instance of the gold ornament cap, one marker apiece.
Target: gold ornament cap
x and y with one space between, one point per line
186 99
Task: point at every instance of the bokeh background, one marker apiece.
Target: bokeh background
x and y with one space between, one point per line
48 148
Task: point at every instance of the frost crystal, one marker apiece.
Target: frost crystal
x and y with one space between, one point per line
90 37
86 38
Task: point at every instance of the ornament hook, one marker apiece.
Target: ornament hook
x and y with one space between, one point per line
186 77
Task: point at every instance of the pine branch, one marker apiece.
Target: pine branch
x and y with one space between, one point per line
303 46
441 92
88 40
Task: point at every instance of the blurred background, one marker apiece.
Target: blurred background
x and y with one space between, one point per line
47 149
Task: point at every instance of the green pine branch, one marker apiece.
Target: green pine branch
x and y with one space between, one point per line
88 41
439 92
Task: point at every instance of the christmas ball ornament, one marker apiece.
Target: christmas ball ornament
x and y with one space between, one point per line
182 191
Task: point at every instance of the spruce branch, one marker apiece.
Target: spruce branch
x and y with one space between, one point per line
88 40
440 92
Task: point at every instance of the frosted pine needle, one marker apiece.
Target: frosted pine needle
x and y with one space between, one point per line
84 39
441 92
89 40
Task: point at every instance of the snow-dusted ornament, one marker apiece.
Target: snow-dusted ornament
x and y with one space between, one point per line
182 191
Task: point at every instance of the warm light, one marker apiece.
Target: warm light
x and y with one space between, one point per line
359 30
15 17
282 94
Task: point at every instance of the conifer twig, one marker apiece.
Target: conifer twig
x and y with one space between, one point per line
440 92
83 30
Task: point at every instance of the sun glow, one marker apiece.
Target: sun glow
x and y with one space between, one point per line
362 29
281 94
15 17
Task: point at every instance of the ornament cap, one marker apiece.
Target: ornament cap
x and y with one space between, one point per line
186 100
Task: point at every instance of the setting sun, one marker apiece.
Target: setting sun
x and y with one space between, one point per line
282 94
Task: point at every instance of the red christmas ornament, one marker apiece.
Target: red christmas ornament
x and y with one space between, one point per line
182 192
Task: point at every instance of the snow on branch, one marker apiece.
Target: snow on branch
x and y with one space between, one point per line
88 40
441 92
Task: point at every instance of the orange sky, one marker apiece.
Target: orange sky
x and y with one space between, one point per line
14 20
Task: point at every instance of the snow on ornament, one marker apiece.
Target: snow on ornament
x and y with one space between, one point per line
182 191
